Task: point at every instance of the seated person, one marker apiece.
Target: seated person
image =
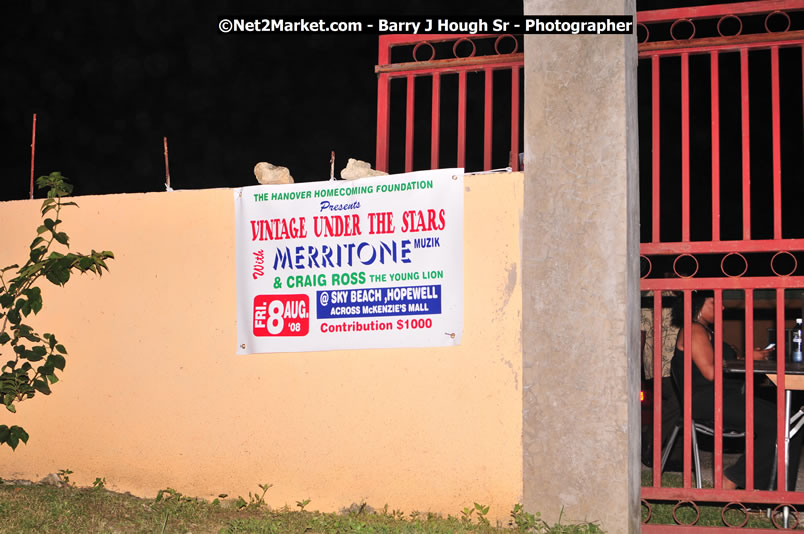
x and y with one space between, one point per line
703 395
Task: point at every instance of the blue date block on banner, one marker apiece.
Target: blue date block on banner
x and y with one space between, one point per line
378 302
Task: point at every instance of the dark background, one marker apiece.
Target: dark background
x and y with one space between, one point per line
109 79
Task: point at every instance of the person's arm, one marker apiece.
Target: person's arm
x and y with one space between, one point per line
703 354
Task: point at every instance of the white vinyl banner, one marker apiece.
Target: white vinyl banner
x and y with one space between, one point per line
370 263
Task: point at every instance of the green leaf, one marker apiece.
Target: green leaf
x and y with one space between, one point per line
41 230
61 237
57 360
58 276
5 433
33 355
37 253
41 386
61 348
4 338
4 269
19 432
49 223
14 317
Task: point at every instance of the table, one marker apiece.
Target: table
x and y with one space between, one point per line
793 380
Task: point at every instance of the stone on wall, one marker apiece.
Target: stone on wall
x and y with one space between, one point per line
356 169
267 173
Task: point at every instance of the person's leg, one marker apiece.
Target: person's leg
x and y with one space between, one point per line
764 438
671 408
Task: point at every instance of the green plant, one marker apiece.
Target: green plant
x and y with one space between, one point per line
481 514
254 500
525 521
302 504
64 476
466 515
99 483
169 493
19 296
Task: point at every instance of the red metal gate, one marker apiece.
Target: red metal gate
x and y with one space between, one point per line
722 184
439 57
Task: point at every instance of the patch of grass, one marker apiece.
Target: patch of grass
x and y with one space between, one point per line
71 510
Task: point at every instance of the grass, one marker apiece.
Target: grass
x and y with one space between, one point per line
70 510
662 512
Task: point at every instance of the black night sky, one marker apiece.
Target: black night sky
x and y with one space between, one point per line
109 79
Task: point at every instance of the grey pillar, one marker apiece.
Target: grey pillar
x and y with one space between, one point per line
581 272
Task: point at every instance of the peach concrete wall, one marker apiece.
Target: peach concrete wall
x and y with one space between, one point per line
153 394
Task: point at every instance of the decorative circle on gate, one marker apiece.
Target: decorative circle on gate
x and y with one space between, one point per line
726 509
694 507
646 505
645 266
774 264
641 26
673 27
499 39
693 267
463 40
419 45
727 17
779 510
736 255
772 13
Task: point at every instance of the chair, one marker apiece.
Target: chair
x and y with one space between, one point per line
705 430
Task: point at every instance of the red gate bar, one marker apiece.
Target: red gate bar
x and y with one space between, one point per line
737 8
718 477
685 147
749 389
714 72
435 115
462 118
781 421
409 109
777 152
515 118
684 529
657 388
746 147
714 247
487 113
687 474
656 149
792 39
734 282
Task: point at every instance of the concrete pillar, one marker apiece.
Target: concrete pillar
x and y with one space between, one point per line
580 273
